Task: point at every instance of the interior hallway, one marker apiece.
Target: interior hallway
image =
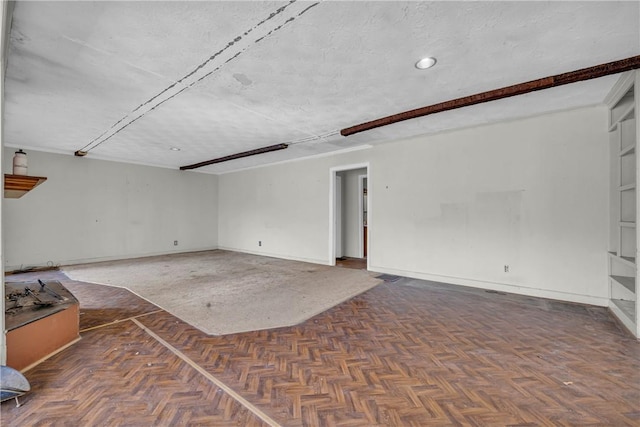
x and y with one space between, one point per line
403 353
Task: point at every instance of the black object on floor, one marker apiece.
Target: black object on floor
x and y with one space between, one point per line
389 277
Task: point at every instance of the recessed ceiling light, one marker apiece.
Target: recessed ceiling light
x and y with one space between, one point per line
174 149
425 63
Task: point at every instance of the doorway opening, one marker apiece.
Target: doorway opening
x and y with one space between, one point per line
349 216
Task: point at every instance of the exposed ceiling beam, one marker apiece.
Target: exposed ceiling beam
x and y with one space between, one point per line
589 73
262 150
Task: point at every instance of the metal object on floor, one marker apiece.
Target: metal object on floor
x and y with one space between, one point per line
12 384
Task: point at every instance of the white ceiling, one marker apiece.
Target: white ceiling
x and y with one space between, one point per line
129 80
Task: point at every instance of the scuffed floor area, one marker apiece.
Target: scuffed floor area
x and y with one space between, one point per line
222 292
401 354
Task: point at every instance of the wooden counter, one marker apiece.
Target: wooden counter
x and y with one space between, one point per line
39 322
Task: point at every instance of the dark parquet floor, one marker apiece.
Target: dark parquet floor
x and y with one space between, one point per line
406 353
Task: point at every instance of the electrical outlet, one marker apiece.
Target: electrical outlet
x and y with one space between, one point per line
259 242
506 268
175 243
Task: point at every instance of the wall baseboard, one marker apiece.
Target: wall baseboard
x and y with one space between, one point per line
275 255
105 259
502 287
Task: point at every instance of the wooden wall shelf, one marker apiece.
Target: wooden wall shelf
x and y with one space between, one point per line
16 186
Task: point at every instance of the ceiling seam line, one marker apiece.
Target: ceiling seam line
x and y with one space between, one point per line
88 147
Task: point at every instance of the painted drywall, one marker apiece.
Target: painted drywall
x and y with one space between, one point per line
351 207
280 210
457 207
529 194
92 210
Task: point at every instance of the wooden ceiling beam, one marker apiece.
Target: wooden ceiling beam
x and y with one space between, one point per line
261 150
589 73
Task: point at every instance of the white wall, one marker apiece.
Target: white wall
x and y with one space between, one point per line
531 194
91 210
285 207
456 207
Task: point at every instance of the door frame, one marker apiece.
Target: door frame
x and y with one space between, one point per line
332 208
361 179
338 218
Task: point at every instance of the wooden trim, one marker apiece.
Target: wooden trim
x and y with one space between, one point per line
262 150
589 73
218 383
622 86
50 355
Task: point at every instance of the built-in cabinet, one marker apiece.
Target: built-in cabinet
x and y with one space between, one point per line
623 102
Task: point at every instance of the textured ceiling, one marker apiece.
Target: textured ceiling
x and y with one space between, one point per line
128 80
